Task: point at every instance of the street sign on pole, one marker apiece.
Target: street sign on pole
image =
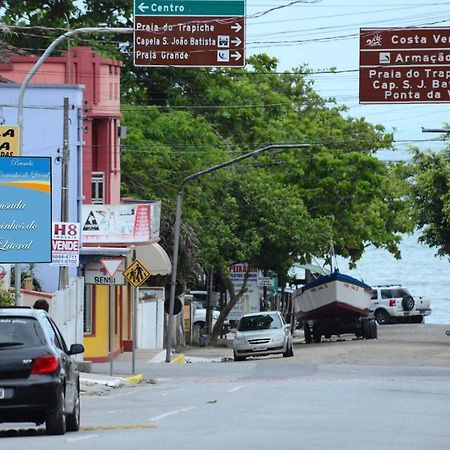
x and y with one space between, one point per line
189 33
111 265
136 273
404 65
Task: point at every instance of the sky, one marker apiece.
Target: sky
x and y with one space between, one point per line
325 34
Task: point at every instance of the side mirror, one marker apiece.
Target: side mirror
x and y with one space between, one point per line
287 326
233 331
76 349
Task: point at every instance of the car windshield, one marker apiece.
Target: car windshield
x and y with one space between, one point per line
260 322
21 331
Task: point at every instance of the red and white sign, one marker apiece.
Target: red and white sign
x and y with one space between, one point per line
404 65
121 224
65 244
96 273
111 265
249 302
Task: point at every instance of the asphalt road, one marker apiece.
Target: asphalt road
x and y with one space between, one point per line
277 402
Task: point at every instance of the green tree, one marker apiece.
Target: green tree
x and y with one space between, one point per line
429 179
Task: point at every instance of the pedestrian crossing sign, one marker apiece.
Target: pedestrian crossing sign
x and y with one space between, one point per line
136 273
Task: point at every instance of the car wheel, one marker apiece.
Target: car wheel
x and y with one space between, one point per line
73 419
198 330
308 336
365 329
382 317
289 351
416 319
55 422
373 329
408 303
238 358
317 335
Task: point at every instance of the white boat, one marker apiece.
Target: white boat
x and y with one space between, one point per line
333 296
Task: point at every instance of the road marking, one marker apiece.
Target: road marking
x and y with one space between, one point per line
118 427
81 438
172 413
237 388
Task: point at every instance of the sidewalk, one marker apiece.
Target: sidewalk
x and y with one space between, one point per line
99 380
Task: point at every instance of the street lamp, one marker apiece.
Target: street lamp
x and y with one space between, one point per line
176 238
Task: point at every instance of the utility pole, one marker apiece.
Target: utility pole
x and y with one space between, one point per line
64 270
25 82
209 290
176 238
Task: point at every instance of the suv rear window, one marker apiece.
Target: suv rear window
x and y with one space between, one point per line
393 293
24 331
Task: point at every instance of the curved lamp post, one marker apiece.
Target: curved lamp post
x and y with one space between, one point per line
176 239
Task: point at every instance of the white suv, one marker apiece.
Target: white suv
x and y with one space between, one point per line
394 303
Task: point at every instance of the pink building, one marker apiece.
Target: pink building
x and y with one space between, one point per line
101 130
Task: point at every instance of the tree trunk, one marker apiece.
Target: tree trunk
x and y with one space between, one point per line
234 298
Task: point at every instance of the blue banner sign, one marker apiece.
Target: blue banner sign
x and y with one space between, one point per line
25 210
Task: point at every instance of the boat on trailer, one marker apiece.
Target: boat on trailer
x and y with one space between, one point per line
334 304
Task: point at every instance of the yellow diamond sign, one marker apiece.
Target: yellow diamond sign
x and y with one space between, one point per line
136 273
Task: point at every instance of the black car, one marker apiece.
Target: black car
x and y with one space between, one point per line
39 379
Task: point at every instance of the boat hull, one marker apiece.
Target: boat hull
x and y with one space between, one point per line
332 297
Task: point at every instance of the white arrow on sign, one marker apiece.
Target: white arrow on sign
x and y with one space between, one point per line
142 7
236 27
236 55
111 265
237 42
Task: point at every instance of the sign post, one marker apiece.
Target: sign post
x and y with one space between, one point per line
189 33
136 274
111 265
406 65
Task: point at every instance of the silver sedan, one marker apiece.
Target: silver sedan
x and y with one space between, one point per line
263 333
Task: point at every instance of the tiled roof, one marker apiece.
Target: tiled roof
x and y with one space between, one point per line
8 50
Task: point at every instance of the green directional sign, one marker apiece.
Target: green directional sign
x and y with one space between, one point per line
189 7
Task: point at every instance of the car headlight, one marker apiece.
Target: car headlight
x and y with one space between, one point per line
278 338
239 339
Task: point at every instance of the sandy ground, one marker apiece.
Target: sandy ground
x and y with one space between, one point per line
399 344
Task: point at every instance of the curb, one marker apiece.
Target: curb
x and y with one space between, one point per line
135 379
180 359
111 382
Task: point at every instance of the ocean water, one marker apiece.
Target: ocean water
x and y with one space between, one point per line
419 270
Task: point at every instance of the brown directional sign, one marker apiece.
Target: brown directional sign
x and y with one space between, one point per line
189 41
406 65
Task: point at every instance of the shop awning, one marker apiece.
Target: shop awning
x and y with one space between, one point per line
154 258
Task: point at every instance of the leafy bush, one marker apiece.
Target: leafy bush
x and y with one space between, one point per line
6 298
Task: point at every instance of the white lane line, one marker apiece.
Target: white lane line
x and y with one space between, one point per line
171 413
237 388
82 438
